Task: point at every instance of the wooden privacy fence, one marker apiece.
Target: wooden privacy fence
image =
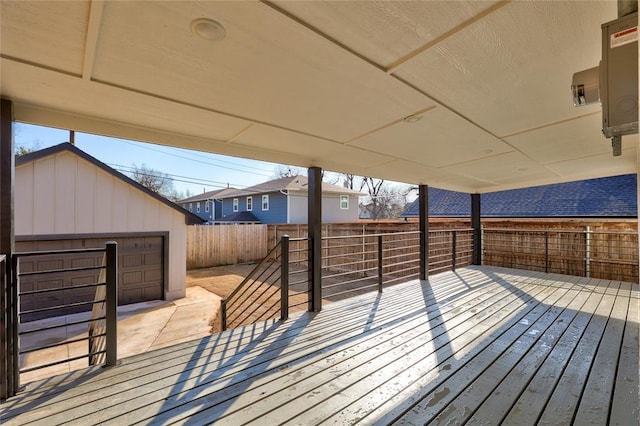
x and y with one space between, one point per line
581 252
225 245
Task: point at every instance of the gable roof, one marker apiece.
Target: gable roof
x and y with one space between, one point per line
291 183
603 197
190 218
216 194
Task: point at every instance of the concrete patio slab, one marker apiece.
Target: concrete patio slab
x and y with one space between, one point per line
141 327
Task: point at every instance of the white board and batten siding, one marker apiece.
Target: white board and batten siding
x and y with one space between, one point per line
63 194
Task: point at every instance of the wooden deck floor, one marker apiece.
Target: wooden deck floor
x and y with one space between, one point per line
480 346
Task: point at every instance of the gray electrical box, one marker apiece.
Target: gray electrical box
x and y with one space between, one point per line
619 76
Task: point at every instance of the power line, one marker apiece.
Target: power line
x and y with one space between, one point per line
202 155
177 178
200 161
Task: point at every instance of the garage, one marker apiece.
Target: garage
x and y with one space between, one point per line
141 275
66 199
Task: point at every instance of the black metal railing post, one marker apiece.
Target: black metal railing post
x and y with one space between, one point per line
453 250
546 252
223 314
13 313
111 358
284 277
380 265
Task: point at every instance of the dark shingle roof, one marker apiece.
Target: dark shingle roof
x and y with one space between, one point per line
243 216
602 197
216 194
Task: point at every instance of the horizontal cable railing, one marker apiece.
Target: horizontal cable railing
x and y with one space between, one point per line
49 292
351 265
597 254
354 264
276 284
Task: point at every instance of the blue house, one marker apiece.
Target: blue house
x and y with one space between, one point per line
284 200
207 205
612 197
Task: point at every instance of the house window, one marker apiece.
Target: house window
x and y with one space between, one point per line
191 207
265 202
344 202
235 204
198 207
206 206
249 204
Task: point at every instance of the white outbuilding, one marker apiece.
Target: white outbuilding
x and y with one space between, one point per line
65 198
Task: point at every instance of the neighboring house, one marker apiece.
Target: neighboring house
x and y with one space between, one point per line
65 198
207 205
602 197
284 200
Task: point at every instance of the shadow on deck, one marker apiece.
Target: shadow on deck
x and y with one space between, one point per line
481 344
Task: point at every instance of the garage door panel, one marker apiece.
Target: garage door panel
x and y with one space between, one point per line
153 259
131 295
45 265
129 279
153 275
152 293
140 272
132 260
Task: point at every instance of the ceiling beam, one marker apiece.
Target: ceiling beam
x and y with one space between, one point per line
91 41
408 57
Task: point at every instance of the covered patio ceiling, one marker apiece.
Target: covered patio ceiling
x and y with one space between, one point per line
326 84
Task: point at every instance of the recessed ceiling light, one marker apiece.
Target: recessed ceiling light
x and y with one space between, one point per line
412 118
208 29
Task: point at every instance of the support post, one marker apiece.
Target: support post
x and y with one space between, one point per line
476 258
453 249
587 254
284 278
423 203
380 264
9 360
546 252
112 304
315 238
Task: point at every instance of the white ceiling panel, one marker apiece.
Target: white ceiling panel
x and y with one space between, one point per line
384 31
512 71
27 27
577 138
601 165
500 168
439 139
268 69
315 151
59 91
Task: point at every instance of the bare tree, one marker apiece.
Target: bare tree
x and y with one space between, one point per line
23 149
374 187
154 180
384 200
349 181
283 171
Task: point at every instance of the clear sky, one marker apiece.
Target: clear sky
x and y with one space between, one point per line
192 170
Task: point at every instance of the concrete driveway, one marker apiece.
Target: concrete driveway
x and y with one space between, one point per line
142 327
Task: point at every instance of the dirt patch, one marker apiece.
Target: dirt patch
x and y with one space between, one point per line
261 303
262 300
220 280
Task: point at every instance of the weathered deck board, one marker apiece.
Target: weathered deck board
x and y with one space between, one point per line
473 383
481 345
626 401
